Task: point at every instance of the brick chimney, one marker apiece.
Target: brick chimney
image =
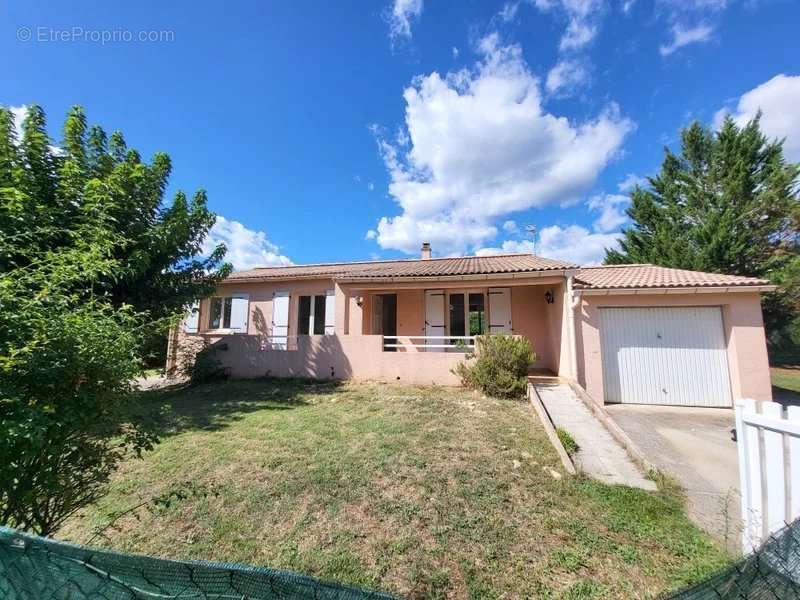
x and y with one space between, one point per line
426 250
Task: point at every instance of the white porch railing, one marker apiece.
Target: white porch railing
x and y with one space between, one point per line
463 343
769 468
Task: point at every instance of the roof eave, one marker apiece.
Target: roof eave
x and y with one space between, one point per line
696 289
469 277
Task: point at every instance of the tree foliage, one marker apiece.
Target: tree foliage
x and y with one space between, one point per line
67 360
728 203
92 263
157 247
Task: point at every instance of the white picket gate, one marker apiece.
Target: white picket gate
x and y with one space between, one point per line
769 468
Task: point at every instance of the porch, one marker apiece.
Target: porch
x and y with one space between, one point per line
413 318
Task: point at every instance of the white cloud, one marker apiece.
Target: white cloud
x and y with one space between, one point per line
575 244
578 34
19 113
482 146
509 11
627 5
582 16
455 52
778 100
610 207
694 5
402 13
568 75
630 182
510 226
246 248
683 36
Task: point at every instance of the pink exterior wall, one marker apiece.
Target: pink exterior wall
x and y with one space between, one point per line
531 317
358 357
353 352
744 334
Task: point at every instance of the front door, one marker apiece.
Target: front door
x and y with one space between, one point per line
434 318
384 317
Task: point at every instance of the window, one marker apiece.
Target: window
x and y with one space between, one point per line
315 314
303 315
220 313
319 315
477 314
457 314
467 314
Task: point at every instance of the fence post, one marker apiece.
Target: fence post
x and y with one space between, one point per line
749 475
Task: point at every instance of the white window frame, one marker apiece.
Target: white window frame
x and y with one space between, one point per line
228 329
328 325
466 292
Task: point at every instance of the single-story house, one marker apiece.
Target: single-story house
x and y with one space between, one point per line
630 333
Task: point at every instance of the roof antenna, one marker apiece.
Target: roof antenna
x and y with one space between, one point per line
531 229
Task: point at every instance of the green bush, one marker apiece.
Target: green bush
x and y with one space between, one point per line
206 367
499 367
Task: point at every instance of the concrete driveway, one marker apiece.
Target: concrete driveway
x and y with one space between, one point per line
693 445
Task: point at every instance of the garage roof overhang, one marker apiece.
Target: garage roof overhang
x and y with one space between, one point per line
652 291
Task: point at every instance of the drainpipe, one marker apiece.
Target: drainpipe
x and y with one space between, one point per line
573 301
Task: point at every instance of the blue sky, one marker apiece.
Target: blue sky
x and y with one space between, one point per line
328 131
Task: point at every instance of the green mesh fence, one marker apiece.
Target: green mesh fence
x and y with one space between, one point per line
773 572
34 568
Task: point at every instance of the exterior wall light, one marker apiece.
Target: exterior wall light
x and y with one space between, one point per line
548 296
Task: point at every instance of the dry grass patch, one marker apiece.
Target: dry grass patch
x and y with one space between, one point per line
424 492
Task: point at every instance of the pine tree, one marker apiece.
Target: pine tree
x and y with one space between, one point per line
728 203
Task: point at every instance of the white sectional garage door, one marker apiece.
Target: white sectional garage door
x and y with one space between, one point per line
670 356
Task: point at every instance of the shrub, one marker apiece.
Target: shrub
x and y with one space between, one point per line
206 367
67 362
499 368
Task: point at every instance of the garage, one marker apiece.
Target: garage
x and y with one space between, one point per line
664 355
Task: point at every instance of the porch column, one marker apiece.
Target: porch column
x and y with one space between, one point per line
342 307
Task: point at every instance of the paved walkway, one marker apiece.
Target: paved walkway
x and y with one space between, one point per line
599 456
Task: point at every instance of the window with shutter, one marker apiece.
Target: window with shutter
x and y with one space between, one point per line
192 320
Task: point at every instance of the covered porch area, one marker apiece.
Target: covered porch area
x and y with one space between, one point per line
440 316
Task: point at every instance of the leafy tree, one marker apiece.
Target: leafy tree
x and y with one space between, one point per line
728 203
67 360
157 247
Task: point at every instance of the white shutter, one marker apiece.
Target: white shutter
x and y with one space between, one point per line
192 319
239 306
330 312
280 320
500 310
434 318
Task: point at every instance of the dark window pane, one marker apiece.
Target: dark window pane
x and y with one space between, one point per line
226 313
477 314
457 314
215 314
319 315
303 315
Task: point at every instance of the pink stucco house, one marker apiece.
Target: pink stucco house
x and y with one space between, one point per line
633 333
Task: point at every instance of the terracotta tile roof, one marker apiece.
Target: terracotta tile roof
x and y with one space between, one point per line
433 267
651 276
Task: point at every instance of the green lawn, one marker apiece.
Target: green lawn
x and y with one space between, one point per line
786 378
423 492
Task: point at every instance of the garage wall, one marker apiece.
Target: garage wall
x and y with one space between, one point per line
742 323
